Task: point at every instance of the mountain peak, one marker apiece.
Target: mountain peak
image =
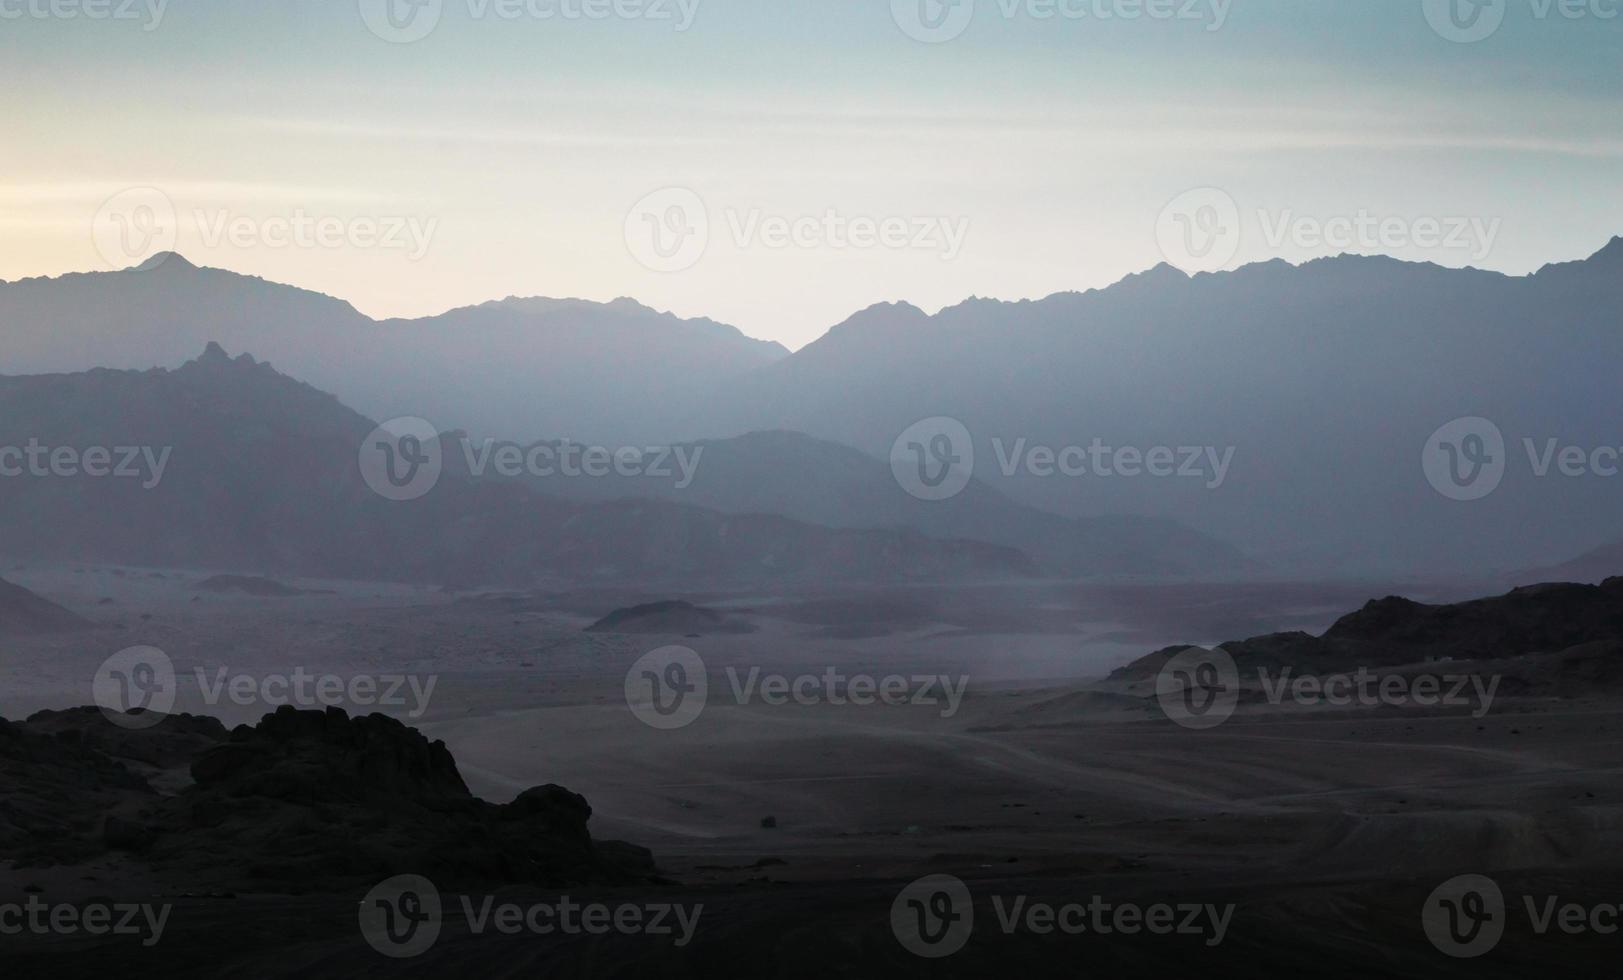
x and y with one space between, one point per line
1610 256
173 260
215 356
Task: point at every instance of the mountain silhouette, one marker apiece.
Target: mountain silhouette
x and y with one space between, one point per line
262 473
516 368
1327 379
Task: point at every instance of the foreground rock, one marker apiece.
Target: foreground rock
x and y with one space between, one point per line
303 801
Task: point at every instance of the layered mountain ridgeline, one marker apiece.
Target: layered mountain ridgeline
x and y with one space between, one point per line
519 367
1306 394
22 613
241 467
303 801
1327 379
1560 638
825 483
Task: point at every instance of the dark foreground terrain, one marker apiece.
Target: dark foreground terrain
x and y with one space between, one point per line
1080 827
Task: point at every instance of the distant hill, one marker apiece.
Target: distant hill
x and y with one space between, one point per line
825 483
1592 566
24 613
262 473
672 616
518 368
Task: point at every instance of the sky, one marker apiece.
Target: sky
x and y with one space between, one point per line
781 164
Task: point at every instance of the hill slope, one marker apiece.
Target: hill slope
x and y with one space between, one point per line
261 472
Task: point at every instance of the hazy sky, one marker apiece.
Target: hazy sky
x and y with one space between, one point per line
1025 155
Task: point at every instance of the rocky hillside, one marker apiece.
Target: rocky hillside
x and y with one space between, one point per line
1568 622
304 800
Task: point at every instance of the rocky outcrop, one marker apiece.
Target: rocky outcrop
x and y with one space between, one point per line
303 801
1560 623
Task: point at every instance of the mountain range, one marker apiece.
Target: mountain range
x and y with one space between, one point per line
1318 385
519 367
261 472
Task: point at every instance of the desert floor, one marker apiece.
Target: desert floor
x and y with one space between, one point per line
1326 828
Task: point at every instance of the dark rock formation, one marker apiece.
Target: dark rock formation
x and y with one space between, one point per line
1577 624
303 801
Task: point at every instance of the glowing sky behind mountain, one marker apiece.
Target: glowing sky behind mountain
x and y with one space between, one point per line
1053 143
